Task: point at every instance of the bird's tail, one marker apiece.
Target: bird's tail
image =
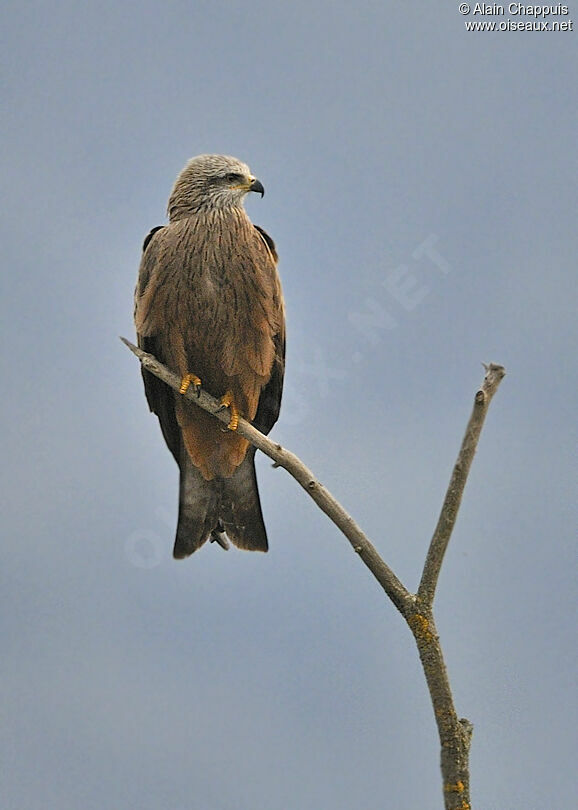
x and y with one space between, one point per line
221 505
240 508
198 508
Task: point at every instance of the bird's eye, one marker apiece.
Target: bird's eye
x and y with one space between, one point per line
232 177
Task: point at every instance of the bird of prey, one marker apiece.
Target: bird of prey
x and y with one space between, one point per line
209 305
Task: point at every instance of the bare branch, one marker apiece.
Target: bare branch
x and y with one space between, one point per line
396 591
455 734
452 501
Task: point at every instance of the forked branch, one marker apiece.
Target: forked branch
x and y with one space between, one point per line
417 610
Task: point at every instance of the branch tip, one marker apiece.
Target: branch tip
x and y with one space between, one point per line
494 374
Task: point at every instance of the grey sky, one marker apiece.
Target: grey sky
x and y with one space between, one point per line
235 681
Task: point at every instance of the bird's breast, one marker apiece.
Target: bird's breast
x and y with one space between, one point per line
223 298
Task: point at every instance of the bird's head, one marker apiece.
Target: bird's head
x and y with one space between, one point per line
211 182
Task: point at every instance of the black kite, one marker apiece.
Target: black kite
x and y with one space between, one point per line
208 304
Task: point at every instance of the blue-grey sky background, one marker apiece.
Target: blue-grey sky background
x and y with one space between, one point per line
287 681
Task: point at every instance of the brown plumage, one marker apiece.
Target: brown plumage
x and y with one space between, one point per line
208 302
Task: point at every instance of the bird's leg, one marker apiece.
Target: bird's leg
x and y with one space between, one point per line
187 380
227 401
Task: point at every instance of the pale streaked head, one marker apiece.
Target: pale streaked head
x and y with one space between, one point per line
211 182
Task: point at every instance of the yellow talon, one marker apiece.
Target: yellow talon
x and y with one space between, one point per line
227 401
187 380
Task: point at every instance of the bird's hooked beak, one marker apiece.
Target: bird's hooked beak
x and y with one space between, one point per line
256 185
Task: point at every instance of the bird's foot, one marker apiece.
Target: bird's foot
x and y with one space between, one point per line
186 382
227 401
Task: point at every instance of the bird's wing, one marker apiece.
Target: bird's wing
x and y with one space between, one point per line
269 242
270 399
159 396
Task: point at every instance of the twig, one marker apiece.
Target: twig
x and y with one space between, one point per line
451 505
455 734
